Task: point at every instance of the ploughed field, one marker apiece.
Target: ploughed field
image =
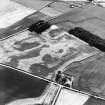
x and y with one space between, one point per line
44 54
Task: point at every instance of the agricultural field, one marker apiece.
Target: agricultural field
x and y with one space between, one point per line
89 75
30 61
44 54
20 88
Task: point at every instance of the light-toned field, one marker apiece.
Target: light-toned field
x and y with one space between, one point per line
47 97
44 54
20 88
13 13
67 97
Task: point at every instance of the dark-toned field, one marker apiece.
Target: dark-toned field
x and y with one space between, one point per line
95 101
44 54
16 85
21 25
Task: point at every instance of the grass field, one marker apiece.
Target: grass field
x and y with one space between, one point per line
89 75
